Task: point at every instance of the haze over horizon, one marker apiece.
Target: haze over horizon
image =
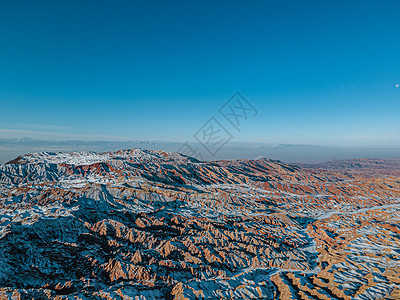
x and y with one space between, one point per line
158 71
288 153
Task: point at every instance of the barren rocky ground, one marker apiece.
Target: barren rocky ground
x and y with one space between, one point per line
139 224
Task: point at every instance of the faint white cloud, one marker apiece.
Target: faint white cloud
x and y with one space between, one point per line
397 85
49 135
24 126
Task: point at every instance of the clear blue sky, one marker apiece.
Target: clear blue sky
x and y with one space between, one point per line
318 72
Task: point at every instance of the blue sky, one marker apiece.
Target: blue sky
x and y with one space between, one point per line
318 72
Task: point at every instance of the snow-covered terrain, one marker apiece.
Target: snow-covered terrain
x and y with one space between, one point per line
145 224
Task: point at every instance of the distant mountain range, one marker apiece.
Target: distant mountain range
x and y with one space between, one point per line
290 153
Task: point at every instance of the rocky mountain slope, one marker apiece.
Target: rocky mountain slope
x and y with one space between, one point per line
140 224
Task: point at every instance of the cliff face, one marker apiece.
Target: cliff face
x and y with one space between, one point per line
137 224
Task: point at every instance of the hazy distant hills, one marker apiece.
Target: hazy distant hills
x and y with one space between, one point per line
290 153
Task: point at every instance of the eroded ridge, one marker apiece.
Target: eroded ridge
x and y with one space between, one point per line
139 224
